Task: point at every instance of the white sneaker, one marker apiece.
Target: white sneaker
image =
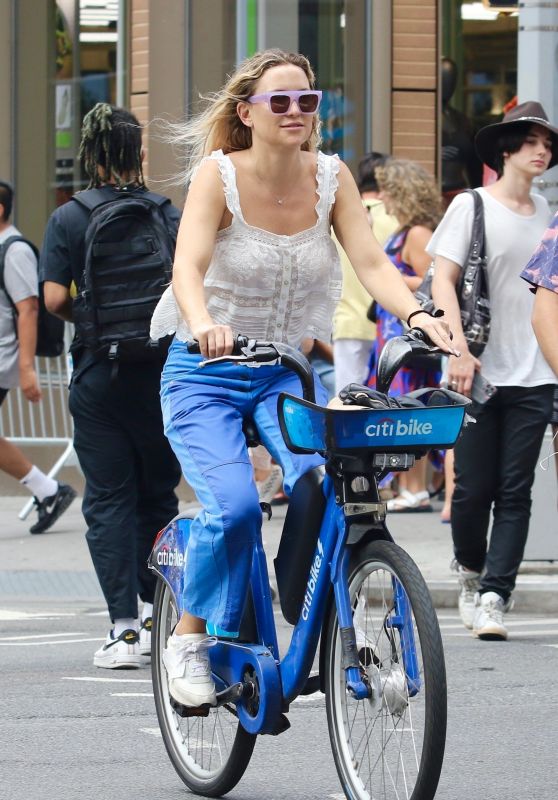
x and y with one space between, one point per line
145 637
188 668
489 617
268 488
469 582
121 652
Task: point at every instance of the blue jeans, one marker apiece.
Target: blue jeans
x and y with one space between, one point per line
203 411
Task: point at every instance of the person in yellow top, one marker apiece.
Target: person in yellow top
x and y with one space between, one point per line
353 333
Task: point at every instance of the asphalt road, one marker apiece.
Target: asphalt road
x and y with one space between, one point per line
73 732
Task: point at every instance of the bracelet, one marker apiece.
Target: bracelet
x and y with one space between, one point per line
437 313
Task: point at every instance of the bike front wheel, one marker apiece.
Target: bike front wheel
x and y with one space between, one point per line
391 745
210 754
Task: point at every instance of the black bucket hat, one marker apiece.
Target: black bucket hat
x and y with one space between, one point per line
530 112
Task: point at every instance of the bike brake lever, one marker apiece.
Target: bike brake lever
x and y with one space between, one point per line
418 340
247 356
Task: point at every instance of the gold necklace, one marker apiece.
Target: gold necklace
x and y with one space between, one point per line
278 200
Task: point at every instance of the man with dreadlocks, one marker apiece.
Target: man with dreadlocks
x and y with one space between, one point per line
130 471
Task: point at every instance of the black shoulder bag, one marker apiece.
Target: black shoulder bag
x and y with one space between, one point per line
472 289
473 296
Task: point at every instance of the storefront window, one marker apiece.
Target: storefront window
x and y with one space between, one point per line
479 80
87 37
332 33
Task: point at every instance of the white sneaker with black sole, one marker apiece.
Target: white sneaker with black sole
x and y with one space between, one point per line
489 617
469 583
120 652
186 660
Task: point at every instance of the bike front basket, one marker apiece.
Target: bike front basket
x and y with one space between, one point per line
308 428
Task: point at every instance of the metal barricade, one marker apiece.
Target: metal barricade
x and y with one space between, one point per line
48 422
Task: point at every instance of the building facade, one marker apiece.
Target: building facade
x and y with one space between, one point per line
378 63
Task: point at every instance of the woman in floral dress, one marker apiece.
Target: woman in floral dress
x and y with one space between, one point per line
410 194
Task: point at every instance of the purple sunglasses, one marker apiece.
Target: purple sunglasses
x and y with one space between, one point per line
307 101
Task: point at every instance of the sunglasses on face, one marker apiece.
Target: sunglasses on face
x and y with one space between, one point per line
281 102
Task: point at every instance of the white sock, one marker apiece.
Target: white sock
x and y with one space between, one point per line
124 624
39 484
147 611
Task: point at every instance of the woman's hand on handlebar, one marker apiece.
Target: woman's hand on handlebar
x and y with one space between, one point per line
214 340
437 331
461 372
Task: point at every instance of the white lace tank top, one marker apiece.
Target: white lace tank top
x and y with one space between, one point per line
265 285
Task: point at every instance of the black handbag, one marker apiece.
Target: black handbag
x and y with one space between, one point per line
474 299
472 290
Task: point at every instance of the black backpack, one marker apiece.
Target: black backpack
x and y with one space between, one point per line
128 264
50 329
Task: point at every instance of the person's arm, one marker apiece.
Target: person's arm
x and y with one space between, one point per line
461 370
57 257
323 350
58 300
545 324
414 254
27 315
374 270
203 212
20 280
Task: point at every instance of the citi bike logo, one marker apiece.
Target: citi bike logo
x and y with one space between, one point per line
391 427
312 581
170 558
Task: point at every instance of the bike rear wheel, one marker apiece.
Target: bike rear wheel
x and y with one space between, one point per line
210 754
391 746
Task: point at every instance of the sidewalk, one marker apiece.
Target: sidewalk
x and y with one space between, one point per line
55 566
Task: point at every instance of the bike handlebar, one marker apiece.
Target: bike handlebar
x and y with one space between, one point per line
396 352
252 351
399 351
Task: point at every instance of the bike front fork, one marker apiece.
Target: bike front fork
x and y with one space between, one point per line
400 620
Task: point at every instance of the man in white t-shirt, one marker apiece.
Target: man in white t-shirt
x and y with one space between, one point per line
18 338
495 459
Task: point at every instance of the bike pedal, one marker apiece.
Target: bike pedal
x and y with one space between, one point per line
190 711
312 685
283 724
231 694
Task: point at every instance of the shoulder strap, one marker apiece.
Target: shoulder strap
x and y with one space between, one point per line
228 176
3 250
478 246
327 184
158 199
93 198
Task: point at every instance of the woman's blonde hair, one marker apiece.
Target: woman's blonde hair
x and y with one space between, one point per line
218 126
413 194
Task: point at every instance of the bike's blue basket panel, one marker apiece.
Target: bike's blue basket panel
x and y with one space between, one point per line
307 427
303 424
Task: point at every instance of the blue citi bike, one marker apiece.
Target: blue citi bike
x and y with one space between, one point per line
342 583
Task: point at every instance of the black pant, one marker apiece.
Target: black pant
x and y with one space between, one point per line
130 474
495 462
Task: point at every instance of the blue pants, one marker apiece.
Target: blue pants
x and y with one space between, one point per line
203 411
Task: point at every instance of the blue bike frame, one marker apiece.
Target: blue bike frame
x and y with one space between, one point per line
280 680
